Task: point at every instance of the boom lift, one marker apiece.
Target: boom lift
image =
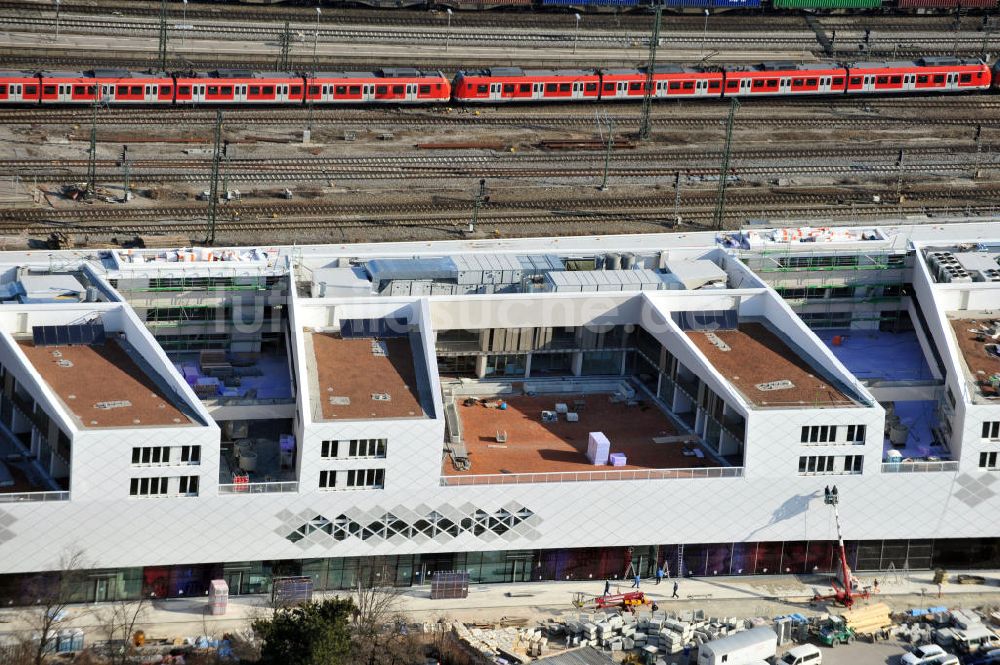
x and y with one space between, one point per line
845 589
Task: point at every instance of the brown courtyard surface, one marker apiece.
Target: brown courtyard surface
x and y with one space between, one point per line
348 368
981 364
536 447
756 356
103 373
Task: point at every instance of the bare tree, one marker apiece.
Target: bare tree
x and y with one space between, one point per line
49 595
379 631
119 622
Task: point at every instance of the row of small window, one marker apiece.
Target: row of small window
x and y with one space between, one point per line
817 464
354 448
988 461
828 434
164 486
356 89
166 455
991 429
760 84
352 479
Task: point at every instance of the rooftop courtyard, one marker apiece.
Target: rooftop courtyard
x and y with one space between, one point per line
979 343
875 355
533 446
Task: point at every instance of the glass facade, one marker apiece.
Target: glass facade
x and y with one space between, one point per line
597 563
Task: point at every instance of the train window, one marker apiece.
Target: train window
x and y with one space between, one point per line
564 87
354 90
939 78
397 89
732 85
772 84
839 80
675 85
122 90
136 89
296 89
482 88
882 80
77 89
313 90
183 90
855 80
213 89
381 89
166 90
255 90
92 90
267 90
759 84
31 89
551 87
688 85
227 90
796 82
590 87
524 87
897 79
635 85
508 88
609 87
922 78
810 82
341 89
965 78
713 85
426 89
3 89
48 90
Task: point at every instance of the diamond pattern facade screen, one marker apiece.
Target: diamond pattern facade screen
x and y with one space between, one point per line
402 524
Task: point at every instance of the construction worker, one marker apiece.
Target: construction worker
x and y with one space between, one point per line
635 581
607 587
676 586
659 574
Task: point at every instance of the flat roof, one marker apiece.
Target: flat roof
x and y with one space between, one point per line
102 386
877 354
352 374
536 447
973 337
765 370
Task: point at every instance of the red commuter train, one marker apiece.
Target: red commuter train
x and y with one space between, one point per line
496 85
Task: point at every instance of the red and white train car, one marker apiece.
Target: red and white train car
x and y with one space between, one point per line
109 86
513 84
940 74
669 81
19 88
399 85
239 87
787 79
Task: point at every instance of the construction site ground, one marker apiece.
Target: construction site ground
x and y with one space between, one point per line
536 602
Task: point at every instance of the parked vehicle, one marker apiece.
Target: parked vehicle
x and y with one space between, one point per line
747 646
922 654
807 654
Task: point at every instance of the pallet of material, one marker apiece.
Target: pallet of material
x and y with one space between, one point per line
868 619
163 241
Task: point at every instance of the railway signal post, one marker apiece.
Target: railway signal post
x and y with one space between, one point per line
647 97
163 35
720 203
576 35
213 196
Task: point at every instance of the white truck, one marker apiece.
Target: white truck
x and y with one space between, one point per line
748 646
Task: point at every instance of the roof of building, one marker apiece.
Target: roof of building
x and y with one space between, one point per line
365 378
103 386
976 337
581 656
765 370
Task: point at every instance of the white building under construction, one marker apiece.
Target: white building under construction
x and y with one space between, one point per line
384 412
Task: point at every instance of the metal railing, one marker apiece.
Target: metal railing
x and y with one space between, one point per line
14 497
259 488
919 467
592 476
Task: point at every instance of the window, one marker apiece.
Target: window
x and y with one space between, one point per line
965 78
922 78
166 90
816 464
713 85
838 80
987 460
31 89
881 80
758 84
939 78
366 478
151 455
609 87
675 85
564 87
426 89
590 87
853 463
148 486
340 90
183 90
773 83
329 448
819 434
48 90
188 486
353 90
370 448
267 90
855 80
327 479
296 89
991 429
797 82
896 80
551 87
191 454
810 82
855 434
78 90
213 89
526 87
255 90
635 85
398 89
689 85
381 89
732 85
